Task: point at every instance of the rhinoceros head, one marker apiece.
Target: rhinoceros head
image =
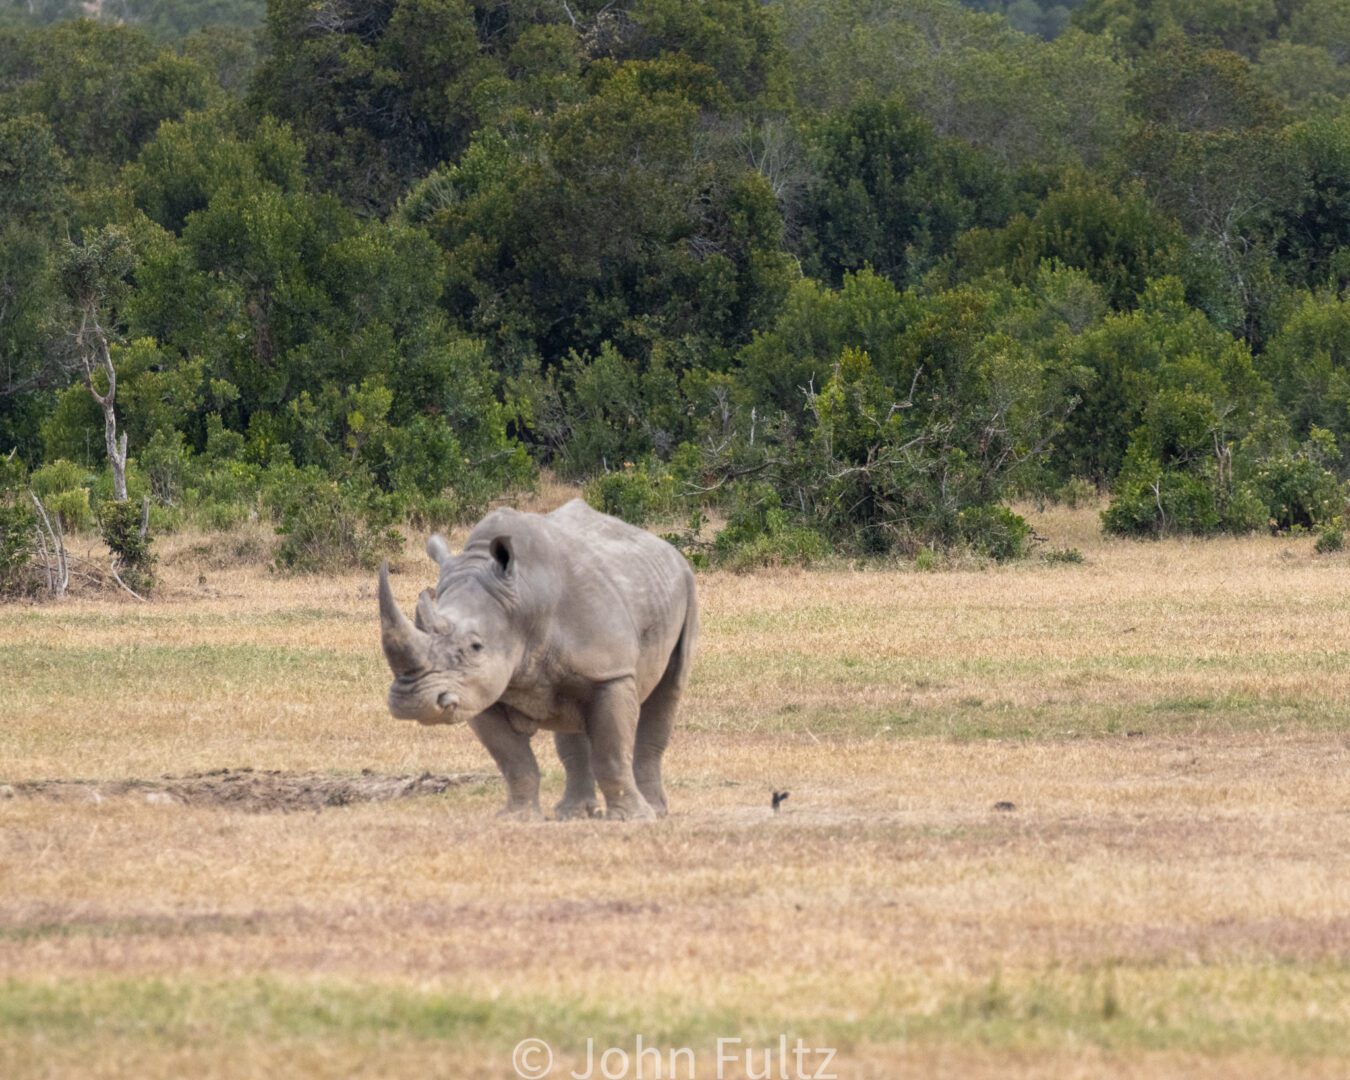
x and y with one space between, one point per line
457 658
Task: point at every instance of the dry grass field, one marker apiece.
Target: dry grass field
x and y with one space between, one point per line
1168 895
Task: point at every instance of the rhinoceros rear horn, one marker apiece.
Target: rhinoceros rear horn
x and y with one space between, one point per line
405 646
427 617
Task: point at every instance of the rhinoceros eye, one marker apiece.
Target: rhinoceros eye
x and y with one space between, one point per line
477 646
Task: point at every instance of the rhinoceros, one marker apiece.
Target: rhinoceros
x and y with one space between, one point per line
573 621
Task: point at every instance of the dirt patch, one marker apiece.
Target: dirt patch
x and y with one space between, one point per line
251 790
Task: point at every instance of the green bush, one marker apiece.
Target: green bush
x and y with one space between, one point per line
994 531
73 509
1182 475
1331 538
58 476
1155 502
689 541
927 560
62 487
785 545
216 516
760 533
1298 489
120 524
223 494
1076 492
325 526
166 462
439 484
17 528
17 532
635 494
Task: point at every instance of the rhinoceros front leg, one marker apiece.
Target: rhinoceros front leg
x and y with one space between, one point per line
578 799
513 755
612 726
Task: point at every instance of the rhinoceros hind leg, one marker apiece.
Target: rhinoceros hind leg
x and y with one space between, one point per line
612 726
513 755
653 734
655 723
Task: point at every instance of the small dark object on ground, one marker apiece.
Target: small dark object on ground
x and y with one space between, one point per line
778 797
1133 734
1005 805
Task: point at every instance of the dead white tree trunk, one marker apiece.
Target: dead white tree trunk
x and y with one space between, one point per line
94 354
53 553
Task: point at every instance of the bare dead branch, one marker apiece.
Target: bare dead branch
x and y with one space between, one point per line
113 570
58 576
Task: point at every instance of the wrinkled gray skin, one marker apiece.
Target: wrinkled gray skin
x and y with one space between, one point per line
573 622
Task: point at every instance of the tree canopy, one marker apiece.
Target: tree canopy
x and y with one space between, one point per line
842 269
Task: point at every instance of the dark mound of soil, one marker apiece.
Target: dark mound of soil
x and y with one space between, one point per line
253 790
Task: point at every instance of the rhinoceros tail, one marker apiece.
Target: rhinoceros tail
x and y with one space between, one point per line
685 647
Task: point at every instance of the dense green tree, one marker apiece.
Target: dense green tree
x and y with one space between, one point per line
1119 240
916 443
28 296
1308 364
1322 23
1304 78
192 160
891 195
33 171
1141 25
1119 367
782 363
1314 230
380 93
738 39
229 53
624 218
34 175
969 75
846 268
103 89
1212 152
311 333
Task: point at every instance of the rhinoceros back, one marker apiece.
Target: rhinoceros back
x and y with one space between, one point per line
644 574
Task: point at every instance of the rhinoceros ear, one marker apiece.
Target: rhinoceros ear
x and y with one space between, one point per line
438 549
503 555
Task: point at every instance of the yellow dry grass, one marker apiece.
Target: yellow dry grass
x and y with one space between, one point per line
1169 895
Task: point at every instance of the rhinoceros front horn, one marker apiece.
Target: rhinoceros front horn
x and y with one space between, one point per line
405 646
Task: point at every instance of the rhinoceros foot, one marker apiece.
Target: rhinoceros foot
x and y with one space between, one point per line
629 809
570 810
